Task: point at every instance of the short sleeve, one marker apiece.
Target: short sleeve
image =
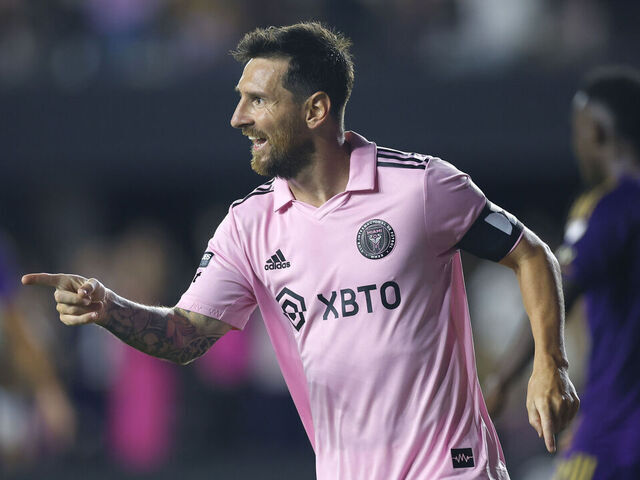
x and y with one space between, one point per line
222 286
459 216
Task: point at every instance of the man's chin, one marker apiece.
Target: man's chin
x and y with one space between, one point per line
260 165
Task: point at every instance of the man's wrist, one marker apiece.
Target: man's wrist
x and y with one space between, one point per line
110 300
550 360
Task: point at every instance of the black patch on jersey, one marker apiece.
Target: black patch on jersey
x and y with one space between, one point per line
375 239
462 458
492 235
206 258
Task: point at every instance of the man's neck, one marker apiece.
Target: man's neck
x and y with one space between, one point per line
327 175
623 164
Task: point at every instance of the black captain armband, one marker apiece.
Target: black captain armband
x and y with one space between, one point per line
492 235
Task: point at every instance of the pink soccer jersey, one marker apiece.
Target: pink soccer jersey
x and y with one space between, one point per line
365 304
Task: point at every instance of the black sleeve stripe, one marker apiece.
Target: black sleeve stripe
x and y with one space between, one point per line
401 159
398 153
266 187
255 192
401 165
492 235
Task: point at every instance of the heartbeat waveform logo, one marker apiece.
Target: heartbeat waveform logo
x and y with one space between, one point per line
462 457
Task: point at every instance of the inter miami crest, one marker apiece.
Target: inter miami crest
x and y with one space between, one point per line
375 239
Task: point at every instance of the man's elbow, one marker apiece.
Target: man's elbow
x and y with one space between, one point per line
530 249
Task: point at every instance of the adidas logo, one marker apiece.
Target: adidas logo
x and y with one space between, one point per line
277 261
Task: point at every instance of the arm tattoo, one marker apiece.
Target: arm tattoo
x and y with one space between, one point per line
160 332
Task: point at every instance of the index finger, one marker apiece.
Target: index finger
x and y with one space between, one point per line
548 430
46 279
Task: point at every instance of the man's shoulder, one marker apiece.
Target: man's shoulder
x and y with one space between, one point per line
260 197
398 160
620 200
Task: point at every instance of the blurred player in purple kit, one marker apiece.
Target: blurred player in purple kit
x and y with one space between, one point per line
600 259
351 252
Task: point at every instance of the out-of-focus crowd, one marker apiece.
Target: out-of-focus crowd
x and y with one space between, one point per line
152 43
80 395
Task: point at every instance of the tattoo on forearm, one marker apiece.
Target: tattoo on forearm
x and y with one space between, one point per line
157 331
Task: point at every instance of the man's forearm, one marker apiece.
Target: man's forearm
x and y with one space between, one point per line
540 284
158 331
551 398
521 350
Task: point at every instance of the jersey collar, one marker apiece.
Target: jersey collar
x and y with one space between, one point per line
362 171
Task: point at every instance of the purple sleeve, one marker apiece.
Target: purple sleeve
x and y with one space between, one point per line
222 286
452 204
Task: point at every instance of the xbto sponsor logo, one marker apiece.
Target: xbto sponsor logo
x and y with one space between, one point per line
350 302
389 297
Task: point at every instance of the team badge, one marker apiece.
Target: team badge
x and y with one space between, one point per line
375 239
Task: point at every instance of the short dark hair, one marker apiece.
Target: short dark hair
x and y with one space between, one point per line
319 59
618 89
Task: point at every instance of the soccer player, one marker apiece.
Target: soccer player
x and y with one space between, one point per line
351 252
600 260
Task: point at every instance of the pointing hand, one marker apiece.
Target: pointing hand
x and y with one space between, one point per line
79 300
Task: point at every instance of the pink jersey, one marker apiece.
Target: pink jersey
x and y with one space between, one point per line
365 304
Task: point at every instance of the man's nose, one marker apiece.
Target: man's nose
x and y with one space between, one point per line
240 117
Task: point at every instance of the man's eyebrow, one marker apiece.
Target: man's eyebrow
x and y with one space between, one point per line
251 93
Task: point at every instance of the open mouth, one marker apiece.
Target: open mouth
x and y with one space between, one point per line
258 143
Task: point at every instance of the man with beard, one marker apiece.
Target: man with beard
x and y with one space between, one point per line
600 261
351 252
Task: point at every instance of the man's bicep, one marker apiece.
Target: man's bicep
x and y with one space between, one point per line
493 234
206 325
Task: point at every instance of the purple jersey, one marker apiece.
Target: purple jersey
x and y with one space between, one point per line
8 281
365 305
602 259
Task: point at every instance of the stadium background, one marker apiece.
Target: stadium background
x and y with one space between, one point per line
117 161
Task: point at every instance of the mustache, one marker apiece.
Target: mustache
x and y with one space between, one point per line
253 133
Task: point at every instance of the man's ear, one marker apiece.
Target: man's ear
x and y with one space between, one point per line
317 108
600 133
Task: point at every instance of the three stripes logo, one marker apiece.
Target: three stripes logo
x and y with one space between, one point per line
462 457
388 157
277 262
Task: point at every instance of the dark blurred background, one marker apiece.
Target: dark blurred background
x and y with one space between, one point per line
117 161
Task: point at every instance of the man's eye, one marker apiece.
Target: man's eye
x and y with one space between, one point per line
258 100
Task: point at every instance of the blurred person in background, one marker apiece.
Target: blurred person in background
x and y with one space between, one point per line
36 414
143 394
600 260
384 379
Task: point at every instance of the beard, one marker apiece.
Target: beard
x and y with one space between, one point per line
288 155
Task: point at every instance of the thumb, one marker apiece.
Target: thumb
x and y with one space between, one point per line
91 289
